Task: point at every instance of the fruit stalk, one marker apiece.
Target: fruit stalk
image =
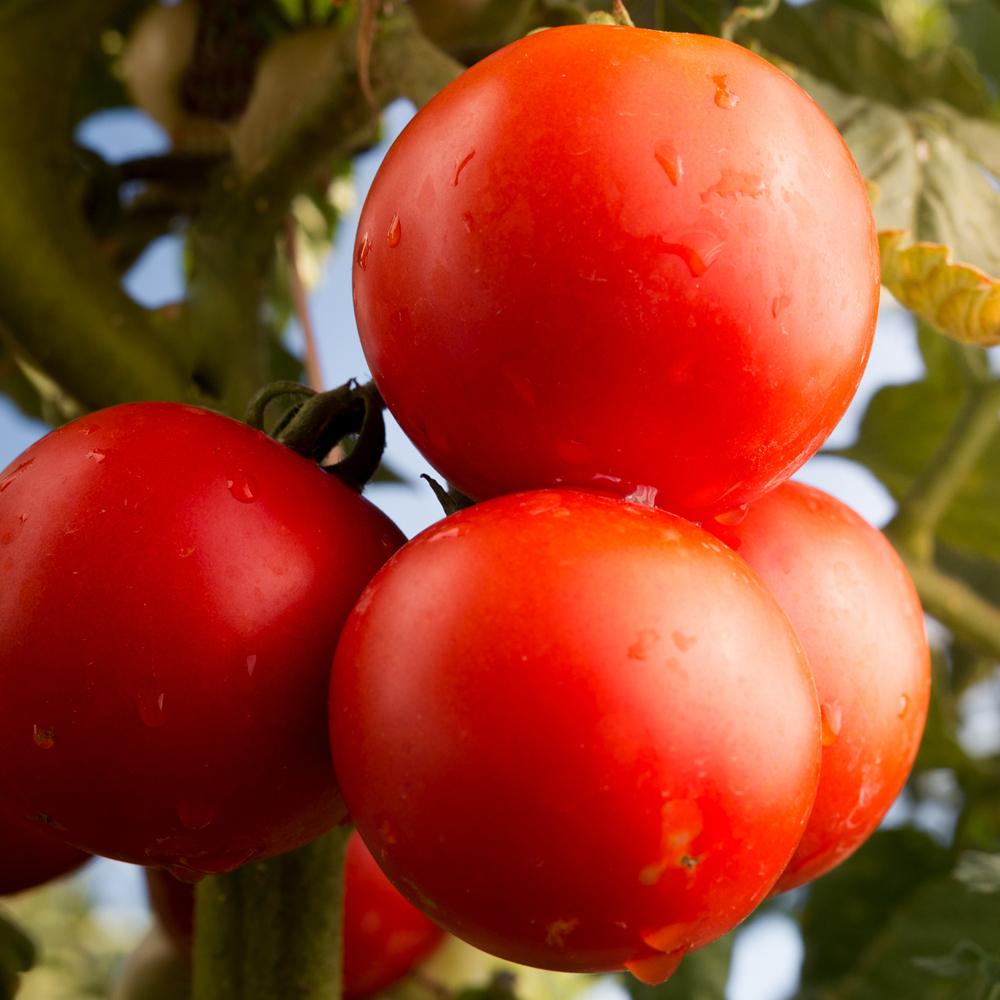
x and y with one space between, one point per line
273 930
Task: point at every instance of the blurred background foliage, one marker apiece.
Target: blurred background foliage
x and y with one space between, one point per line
266 103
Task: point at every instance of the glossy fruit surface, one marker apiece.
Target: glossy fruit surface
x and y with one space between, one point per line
577 733
384 935
172 586
30 854
860 621
618 258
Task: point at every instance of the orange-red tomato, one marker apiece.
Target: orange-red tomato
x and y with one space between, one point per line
622 259
578 733
860 621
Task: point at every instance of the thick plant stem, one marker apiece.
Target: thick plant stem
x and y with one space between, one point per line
921 510
272 930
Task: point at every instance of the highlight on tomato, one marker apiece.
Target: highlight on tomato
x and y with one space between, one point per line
623 259
579 734
857 613
174 584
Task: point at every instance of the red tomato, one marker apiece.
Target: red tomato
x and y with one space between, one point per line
384 935
577 733
618 258
30 854
862 627
173 587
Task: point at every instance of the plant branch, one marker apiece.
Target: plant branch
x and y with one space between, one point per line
272 930
970 617
59 300
928 499
314 378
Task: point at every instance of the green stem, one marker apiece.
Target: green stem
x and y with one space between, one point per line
272 930
928 499
970 617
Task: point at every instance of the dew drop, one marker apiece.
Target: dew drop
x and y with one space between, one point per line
724 97
88 429
470 225
460 165
667 158
648 638
644 495
96 455
44 738
251 663
243 486
831 718
395 233
195 815
364 248
4 483
697 249
904 704
734 516
149 701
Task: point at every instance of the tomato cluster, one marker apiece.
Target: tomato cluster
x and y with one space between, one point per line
617 285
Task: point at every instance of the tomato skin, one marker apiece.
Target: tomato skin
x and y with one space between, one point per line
861 624
173 587
505 727
384 935
529 292
30 855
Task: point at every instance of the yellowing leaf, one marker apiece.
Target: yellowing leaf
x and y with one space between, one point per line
957 299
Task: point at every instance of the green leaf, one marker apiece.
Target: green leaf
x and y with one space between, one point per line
17 955
850 905
902 429
943 920
702 975
853 47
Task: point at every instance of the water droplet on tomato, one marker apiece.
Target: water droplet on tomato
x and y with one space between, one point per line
88 429
251 663
243 486
697 249
904 704
667 158
364 248
733 516
395 231
656 969
648 637
830 714
195 815
96 455
644 495
460 165
44 738
4 483
724 97
470 224
149 701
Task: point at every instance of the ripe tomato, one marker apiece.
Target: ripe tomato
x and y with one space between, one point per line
577 733
173 587
30 854
384 935
618 258
862 627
